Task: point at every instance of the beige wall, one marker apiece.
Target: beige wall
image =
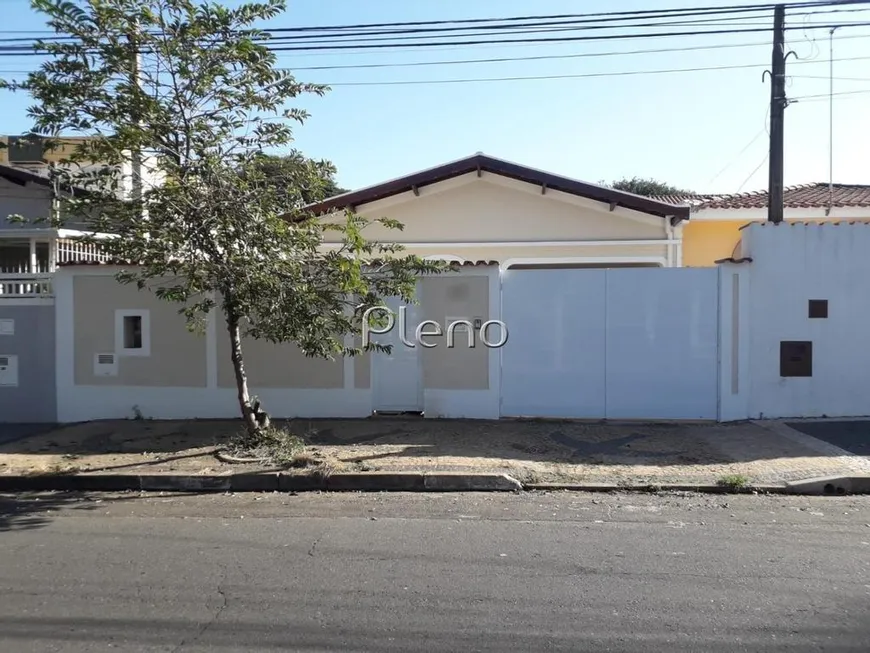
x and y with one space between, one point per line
277 366
177 357
482 210
458 368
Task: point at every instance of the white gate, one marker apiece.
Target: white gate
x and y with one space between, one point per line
632 343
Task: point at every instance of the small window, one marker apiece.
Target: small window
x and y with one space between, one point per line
132 332
795 358
818 309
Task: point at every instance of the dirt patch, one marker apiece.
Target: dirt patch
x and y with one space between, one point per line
532 451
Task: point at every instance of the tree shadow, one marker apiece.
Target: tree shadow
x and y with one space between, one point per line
384 441
31 510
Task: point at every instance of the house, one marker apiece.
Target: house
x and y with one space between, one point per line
520 238
713 231
31 249
570 301
484 208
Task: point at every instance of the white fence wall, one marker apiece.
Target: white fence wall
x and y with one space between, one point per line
792 264
620 343
633 343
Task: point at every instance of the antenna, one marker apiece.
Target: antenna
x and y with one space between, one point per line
831 130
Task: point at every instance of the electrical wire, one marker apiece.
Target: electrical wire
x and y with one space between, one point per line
752 174
582 24
622 73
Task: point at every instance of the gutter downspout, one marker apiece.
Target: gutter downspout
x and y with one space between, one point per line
669 235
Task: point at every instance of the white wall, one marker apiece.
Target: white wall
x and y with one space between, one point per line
791 264
633 343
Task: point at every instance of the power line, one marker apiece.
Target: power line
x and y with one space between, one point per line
622 73
548 57
753 173
545 57
736 158
368 40
564 39
593 75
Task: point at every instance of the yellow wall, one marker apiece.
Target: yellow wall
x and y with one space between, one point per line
704 243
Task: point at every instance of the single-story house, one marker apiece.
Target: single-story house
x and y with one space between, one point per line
481 208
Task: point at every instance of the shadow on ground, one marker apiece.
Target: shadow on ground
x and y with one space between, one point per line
28 511
532 450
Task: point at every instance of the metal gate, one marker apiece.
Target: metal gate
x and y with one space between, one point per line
631 343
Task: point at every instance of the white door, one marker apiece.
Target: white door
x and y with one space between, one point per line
397 383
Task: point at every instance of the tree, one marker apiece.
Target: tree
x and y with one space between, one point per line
188 91
647 187
302 180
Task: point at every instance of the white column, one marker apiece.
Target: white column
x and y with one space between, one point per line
33 267
52 255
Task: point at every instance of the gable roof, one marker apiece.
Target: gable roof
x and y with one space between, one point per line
805 196
483 163
22 176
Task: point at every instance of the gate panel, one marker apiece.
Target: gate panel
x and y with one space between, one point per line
662 343
553 361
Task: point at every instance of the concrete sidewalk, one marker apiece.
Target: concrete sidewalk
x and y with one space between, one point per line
533 452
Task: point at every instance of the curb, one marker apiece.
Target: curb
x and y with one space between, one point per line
652 488
395 482
266 482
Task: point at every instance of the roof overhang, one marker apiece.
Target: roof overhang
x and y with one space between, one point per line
480 163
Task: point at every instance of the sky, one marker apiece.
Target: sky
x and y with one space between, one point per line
703 131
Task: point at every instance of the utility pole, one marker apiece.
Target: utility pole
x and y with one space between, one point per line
777 113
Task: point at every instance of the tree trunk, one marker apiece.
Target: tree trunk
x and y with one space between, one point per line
248 415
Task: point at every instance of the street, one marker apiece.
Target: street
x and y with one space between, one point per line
434 572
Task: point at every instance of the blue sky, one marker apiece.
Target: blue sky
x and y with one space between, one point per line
700 130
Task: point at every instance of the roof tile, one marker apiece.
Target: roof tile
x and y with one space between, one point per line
794 197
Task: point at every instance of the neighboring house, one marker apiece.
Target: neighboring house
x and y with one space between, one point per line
486 209
713 231
30 252
31 249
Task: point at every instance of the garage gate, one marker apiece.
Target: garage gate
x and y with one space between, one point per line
628 343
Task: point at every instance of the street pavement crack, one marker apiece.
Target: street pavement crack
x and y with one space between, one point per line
314 546
209 623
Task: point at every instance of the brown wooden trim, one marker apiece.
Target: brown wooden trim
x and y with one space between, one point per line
481 163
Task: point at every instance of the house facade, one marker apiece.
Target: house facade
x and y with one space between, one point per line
565 300
485 209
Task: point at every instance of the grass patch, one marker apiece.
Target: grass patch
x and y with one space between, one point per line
733 482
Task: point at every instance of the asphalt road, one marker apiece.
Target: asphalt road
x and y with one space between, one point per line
851 435
382 573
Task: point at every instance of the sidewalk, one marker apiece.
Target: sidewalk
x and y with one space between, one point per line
529 451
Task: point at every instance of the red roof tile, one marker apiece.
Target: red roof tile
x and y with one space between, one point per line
795 197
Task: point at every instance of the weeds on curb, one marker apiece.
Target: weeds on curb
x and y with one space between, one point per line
733 482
